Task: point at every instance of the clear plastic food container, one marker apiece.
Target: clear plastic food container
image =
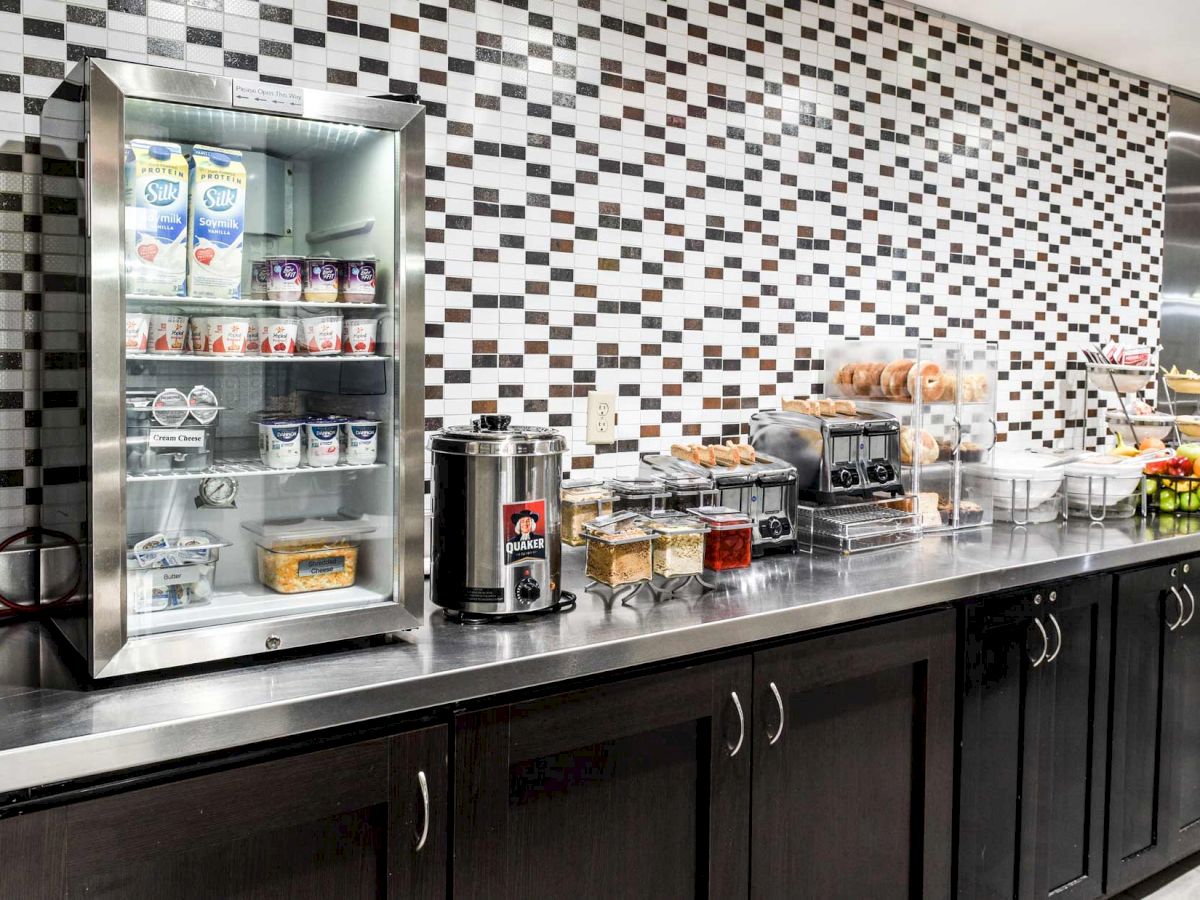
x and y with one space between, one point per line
1102 486
582 502
729 542
686 492
638 495
678 545
320 553
168 570
618 549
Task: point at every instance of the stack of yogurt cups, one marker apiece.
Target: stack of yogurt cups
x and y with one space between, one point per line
316 441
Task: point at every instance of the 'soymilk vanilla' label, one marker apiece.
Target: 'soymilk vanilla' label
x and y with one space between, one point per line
156 218
217 221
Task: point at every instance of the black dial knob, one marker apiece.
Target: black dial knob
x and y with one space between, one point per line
881 473
528 590
773 527
843 477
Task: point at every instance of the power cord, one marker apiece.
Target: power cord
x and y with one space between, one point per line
34 604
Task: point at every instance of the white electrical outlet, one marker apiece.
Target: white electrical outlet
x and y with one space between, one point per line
601 417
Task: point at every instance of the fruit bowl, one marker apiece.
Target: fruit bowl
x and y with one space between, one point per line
1135 428
1121 379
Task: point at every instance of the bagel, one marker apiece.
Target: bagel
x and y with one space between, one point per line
866 378
893 379
843 381
920 442
925 381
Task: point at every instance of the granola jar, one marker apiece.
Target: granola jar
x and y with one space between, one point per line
729 542
582 501
686 492
678 545
618 549
638 495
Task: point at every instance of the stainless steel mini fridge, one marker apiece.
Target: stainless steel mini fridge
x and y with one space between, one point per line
249 300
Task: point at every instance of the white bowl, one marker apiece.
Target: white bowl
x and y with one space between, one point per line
1156 426
1127 379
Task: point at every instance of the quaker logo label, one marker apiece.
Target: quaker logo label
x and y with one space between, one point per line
220 198
524 531
162 192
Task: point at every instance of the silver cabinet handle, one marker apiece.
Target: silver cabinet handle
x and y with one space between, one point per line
1045 644
779 703
1179 621
1058 633
995 434
424 811
737 704
1191 597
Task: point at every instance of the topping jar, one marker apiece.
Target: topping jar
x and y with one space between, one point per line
728 544
618 549
582 501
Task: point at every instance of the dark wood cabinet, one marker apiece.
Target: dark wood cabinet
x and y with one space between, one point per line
1181 692
362 820
1139 837
853 763
1034 742
635 789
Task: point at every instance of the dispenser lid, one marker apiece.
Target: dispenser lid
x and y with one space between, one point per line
494 435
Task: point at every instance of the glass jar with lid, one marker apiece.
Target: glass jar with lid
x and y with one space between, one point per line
686 492
618 549
583 501
638 495
678 545
729 542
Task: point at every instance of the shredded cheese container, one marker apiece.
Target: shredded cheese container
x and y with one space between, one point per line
320 553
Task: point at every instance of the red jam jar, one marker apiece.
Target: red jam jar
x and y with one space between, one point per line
729 542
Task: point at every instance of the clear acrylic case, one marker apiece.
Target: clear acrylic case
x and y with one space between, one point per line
944 394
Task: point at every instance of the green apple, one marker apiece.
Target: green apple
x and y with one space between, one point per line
1190 450
1151 484
1167 500
1189 501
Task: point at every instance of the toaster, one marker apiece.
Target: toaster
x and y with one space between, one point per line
765 490
835 456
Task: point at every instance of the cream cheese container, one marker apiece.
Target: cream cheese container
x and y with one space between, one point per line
217 221
156 218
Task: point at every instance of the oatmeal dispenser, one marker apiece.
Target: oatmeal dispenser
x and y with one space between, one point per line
496 518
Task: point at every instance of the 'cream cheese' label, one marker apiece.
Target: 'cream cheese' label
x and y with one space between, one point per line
217 222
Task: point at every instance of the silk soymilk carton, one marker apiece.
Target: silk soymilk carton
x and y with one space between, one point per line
156 218
216 222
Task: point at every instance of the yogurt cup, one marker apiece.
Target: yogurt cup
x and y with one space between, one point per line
277 337
280 444
252 341
322 441
168 332
320 279
362 441
137 332
321 335
223 335
260 278
358 280
195 336
358 336
284 278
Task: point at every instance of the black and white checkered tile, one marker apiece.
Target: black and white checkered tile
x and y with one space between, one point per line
676 201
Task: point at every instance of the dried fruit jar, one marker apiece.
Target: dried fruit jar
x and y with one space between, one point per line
582 502
618 549
678 544
728 544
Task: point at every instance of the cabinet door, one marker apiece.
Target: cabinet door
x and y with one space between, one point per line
1073 730
1137 836
853 763
1004 677
635 789
1182 688
344 822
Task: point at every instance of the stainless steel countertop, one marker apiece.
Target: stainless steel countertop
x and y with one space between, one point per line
52 731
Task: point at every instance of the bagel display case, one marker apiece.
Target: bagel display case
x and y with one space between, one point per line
246 302
944 395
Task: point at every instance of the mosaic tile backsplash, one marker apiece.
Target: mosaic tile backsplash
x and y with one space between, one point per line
674 201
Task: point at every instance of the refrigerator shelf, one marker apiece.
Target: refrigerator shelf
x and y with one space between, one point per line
249 357
253 602
137 300
248 466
